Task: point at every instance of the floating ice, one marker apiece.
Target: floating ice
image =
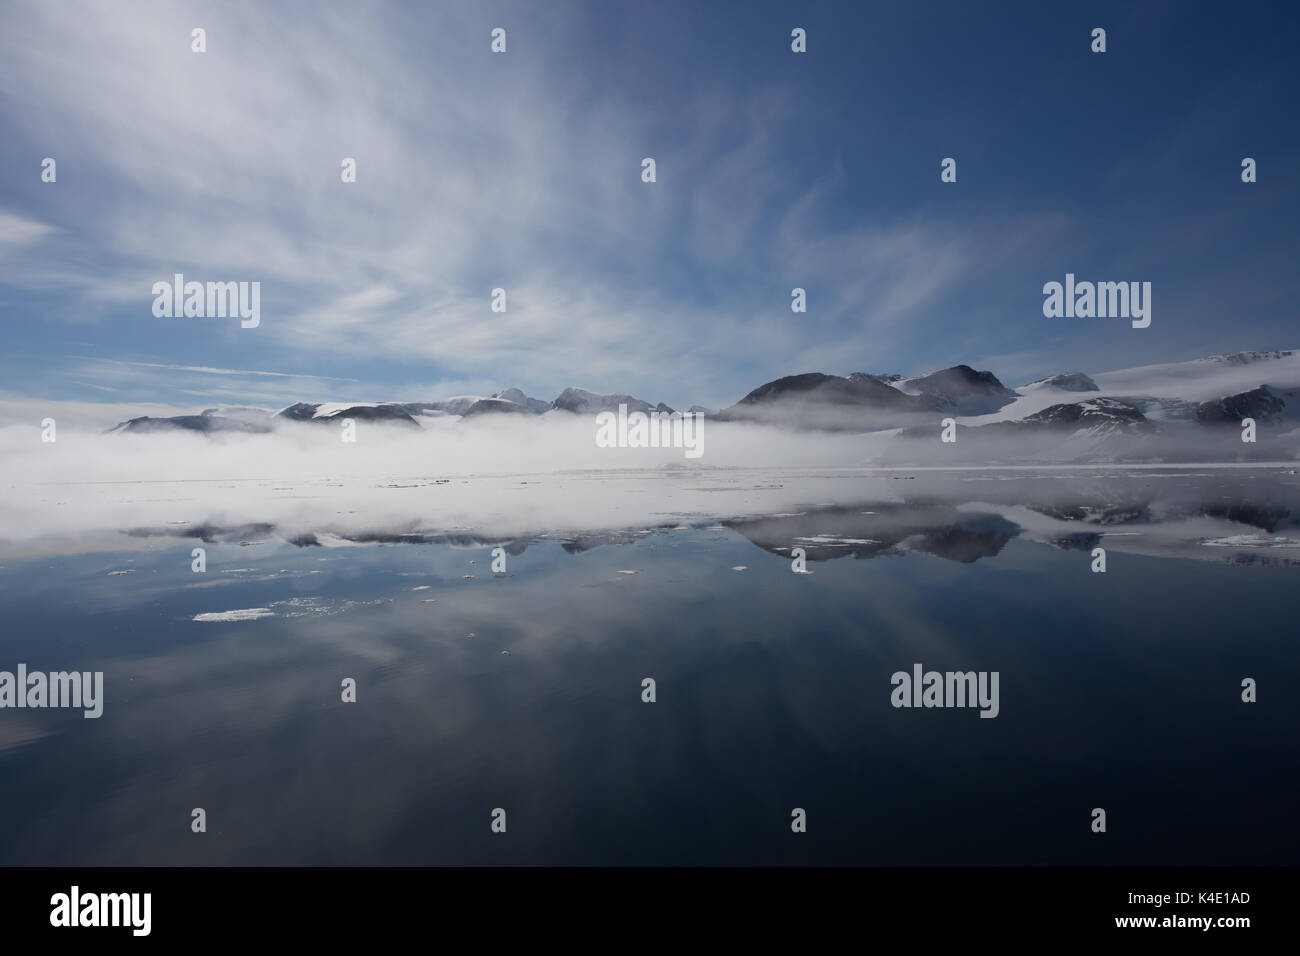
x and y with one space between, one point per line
246 614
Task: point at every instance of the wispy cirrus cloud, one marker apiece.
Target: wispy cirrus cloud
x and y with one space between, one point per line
522 171
473 172
18 230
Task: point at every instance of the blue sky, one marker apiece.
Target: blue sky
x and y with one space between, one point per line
522 171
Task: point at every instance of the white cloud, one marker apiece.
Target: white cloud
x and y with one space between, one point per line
17 230
474 172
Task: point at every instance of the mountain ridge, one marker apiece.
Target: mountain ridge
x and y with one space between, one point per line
1218 390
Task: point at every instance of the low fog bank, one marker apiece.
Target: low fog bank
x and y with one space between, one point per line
550 444
515 484
506 474
505 445
509 478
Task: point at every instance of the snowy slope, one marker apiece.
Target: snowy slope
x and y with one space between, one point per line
456 405
585 402
517 396
1168 392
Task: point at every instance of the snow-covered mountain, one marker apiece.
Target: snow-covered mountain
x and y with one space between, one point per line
1092 417
889 378
815 400
1155 412
459 405
583 402
496 406
1168 392
456 405
578 401
864 401
329 412
207 422
242 413
1065 382
1267 405
959 389
517 396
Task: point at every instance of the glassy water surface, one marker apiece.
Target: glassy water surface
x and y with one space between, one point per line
523 690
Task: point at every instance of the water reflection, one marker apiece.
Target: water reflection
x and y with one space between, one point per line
1118 690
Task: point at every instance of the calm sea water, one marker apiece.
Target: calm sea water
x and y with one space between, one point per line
1119 690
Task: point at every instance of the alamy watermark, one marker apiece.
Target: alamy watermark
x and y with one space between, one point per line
1101 300
653 430
75 908
37 689
213 300
948 689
